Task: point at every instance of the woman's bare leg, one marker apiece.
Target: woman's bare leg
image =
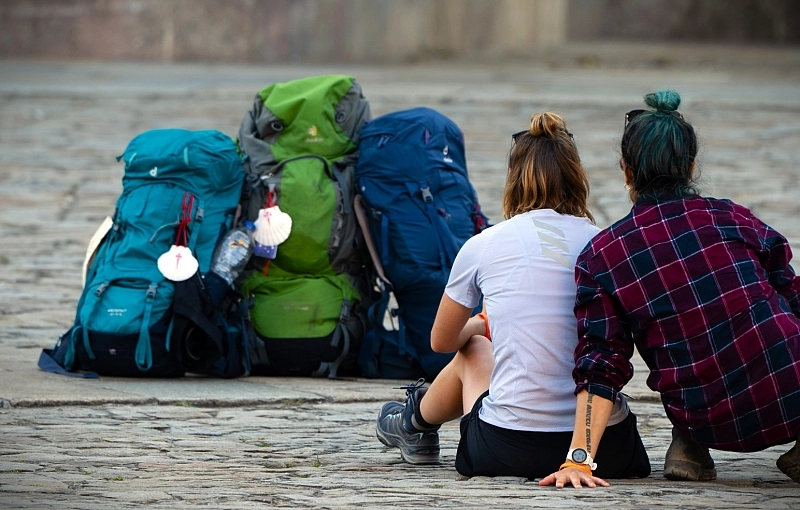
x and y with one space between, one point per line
455 390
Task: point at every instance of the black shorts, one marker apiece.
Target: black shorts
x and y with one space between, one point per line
488 450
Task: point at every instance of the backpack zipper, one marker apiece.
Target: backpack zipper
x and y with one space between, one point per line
162 227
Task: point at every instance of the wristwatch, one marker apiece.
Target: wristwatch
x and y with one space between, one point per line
581 456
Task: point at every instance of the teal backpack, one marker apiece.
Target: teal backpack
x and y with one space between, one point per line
301 140
180 187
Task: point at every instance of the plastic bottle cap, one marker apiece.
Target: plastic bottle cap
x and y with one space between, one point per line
249 225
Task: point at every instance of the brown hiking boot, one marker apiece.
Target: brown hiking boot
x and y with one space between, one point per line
689 461
789 463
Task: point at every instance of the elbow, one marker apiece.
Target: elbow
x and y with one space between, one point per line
443 344
437 345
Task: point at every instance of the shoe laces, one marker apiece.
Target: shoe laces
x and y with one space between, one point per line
413 387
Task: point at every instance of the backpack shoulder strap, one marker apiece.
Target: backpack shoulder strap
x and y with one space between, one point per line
363 222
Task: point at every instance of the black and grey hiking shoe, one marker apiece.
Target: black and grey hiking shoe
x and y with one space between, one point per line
397 427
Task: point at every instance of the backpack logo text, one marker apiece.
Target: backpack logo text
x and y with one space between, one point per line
312 133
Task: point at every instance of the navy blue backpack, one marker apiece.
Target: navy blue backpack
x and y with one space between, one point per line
418 208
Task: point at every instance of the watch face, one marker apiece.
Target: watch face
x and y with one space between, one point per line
579 455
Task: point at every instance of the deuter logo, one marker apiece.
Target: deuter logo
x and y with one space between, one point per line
312 133
154 171
117 312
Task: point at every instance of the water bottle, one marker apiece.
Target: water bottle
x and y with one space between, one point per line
233 252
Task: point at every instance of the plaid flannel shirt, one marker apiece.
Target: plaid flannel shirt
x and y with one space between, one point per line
706 293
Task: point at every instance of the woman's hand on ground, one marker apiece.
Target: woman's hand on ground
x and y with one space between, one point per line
574 476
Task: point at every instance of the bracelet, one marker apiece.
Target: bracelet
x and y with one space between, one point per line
486 322
573 464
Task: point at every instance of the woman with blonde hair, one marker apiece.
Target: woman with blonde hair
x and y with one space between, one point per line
511 380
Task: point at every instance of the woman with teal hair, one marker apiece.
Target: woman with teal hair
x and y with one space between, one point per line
705 292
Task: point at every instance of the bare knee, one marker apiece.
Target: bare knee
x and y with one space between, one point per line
478 352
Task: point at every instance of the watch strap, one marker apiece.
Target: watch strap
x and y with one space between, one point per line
572 464
588 462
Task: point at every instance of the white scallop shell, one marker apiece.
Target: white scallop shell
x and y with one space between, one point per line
272 226
178 264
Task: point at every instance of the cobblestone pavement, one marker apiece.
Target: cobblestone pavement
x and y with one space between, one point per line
307 455
257 442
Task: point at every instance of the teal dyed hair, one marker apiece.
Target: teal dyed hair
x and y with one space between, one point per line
660 147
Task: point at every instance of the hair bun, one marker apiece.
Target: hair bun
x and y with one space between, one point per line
665 101
547 124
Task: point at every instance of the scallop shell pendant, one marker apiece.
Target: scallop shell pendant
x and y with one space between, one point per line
178 264
272 226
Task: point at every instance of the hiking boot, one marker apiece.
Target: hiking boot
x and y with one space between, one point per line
688 461
789 462
398 427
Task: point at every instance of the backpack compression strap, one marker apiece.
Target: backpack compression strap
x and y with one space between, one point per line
341 332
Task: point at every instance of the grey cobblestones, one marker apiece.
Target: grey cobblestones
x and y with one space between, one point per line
306 455
260 442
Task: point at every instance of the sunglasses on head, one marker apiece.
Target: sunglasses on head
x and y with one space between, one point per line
520 133
635 113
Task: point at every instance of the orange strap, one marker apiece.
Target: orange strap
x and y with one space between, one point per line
485 321
572 464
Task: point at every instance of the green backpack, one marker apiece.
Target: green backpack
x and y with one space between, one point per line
300 141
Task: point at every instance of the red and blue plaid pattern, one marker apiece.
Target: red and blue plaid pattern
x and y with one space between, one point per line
706 293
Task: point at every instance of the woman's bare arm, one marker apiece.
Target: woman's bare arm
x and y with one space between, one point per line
453 326
591 418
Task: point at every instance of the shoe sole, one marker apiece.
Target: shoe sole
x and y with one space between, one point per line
421 457
428 455
682 471
789 467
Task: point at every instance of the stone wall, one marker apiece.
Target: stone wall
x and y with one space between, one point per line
285 31
734 21
278 30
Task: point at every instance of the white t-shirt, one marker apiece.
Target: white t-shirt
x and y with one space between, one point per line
524 268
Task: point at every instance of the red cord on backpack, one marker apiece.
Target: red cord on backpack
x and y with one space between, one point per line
477 217
182 236
270 202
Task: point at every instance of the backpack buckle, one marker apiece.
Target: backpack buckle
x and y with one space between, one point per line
427 196
102 288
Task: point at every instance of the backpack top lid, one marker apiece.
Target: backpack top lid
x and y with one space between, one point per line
416 138
204 161
320 115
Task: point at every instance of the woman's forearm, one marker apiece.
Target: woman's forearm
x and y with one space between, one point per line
452 326
591 417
